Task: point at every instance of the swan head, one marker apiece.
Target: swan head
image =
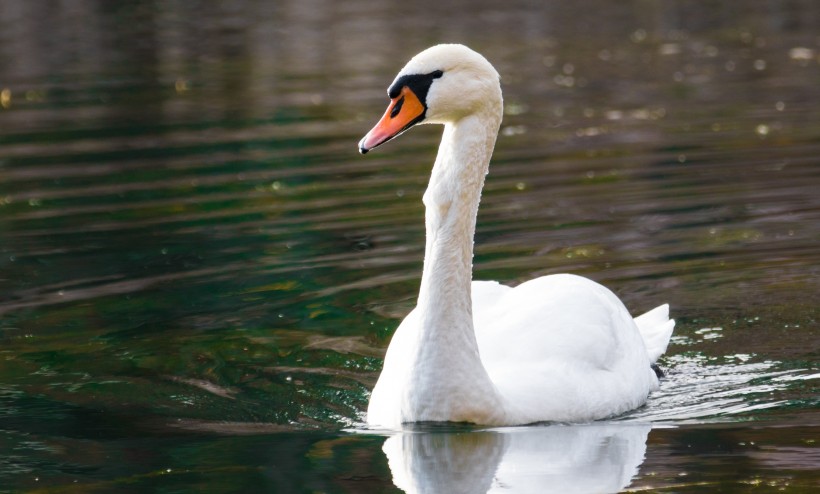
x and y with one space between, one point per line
442 84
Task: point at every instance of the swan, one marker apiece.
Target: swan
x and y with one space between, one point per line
559 348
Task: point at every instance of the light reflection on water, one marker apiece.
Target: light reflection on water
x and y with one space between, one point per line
194 259
697 389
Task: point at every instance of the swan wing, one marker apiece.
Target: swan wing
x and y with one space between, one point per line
562 347
563 317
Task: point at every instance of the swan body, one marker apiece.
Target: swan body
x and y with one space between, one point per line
555 348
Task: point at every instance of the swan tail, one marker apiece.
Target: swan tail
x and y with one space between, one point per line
656 329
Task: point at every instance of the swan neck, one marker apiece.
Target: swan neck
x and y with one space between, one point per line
451 201
446 346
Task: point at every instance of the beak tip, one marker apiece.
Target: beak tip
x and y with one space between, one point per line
362 148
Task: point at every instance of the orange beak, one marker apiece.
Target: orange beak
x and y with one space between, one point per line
404 111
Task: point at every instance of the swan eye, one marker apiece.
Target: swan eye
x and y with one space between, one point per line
397 107
418 83
408 106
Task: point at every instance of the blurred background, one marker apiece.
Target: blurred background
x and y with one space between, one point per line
200 274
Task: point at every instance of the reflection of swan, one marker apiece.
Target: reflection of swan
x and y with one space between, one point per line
557 348
599 458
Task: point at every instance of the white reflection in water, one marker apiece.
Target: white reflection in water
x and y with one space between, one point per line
601 457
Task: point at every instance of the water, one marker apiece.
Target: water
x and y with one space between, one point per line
199 274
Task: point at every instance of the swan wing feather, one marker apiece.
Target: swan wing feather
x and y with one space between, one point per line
562 347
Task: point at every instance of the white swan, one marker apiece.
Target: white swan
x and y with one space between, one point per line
556 348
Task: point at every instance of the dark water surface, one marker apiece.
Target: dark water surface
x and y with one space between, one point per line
199 274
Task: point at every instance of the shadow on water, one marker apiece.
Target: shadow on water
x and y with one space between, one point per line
199 274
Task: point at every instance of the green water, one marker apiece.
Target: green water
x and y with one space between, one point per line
199 274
